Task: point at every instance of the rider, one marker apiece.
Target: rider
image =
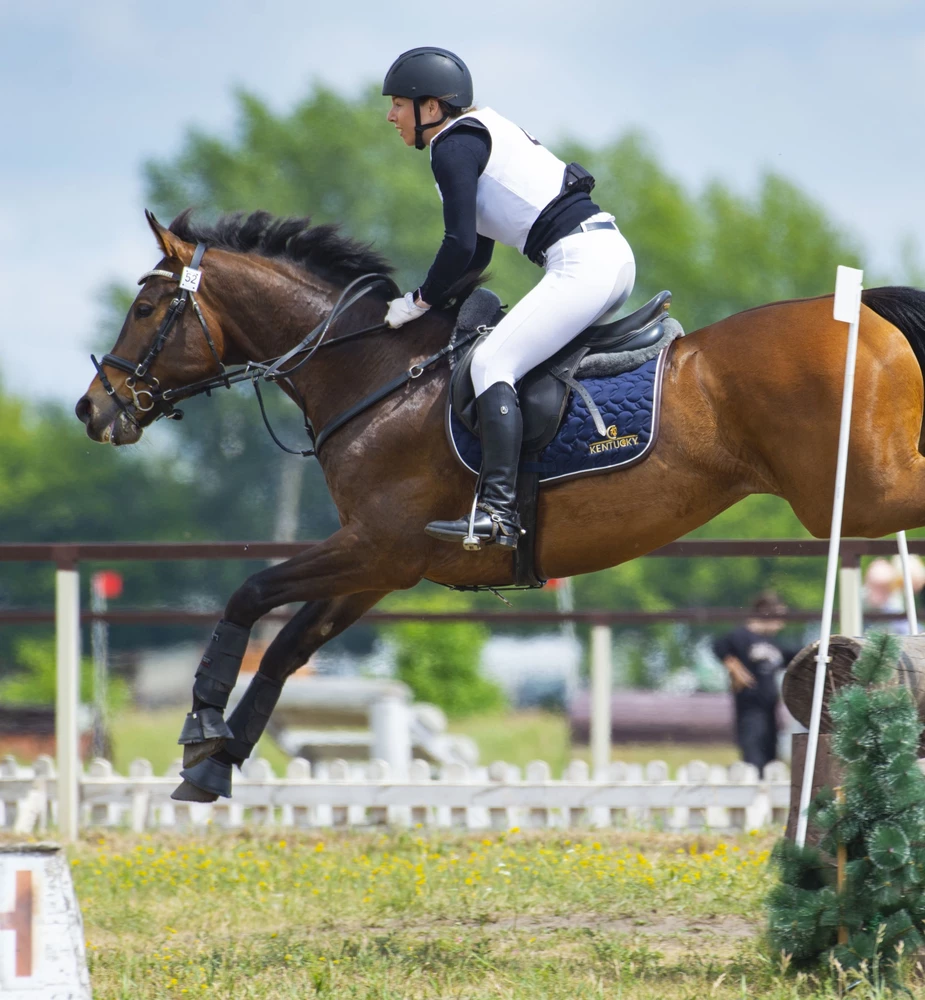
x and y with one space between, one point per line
498 183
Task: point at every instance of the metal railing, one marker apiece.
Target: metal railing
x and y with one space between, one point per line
67 614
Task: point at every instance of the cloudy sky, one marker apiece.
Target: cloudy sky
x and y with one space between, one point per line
830 93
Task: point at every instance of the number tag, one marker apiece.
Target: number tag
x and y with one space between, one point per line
189 279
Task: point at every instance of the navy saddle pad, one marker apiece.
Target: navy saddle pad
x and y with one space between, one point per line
629 404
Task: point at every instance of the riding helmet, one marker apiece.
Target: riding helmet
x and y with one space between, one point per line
430 72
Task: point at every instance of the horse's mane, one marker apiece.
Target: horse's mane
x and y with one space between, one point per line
322 249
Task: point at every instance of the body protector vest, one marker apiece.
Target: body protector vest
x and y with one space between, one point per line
520 179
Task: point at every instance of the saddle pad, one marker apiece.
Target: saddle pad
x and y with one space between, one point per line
629 404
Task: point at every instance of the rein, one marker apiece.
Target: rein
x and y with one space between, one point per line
253 371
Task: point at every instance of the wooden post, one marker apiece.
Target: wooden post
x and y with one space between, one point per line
601 652
850 612
67 696
841 862
390 722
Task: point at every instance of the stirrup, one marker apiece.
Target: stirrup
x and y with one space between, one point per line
474 531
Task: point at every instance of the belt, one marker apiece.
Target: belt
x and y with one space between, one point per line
582 227
585 227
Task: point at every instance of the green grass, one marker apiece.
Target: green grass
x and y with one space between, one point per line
418 914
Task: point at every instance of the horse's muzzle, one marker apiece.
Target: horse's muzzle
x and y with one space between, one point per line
107 424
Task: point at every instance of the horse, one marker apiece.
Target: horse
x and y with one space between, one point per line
750 404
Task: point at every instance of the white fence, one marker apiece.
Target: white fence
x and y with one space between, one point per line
342 795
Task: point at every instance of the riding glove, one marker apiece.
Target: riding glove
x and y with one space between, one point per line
404 310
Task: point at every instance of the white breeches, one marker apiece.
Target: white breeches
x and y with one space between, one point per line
586 275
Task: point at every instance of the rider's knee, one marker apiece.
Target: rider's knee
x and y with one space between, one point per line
487 368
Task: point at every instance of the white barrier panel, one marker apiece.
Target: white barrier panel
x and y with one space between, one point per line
41 932
338 793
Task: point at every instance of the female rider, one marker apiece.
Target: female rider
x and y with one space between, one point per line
498 183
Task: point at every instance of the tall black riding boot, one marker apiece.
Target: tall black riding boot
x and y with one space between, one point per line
501 432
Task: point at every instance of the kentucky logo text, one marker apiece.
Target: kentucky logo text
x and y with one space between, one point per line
614 440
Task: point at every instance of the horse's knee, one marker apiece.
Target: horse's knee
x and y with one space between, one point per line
246 604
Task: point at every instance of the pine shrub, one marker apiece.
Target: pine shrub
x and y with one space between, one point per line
881 822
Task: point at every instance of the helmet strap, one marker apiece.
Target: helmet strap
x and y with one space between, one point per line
420 129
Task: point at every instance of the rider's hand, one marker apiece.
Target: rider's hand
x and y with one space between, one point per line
404 310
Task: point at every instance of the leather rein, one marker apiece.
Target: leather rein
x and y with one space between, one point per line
253 371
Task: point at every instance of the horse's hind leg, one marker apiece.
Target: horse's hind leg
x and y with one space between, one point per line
207 763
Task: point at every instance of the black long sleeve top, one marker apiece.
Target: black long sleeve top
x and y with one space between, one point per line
457 162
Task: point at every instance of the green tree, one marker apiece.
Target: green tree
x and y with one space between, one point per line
440 663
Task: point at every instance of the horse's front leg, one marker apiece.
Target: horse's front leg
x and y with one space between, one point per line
208 774
345 564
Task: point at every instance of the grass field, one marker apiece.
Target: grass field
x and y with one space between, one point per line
421 914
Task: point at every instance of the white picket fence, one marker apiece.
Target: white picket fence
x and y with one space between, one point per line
339 794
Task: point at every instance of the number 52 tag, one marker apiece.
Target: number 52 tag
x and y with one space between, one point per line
190 278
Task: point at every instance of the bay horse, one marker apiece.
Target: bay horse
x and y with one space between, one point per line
751 404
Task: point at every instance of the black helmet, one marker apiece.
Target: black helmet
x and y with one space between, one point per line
429 72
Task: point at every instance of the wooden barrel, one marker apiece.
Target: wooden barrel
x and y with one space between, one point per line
800 677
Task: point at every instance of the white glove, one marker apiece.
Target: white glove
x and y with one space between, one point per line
404 310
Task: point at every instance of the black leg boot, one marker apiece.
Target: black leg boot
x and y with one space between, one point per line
206 780
205 729
501 431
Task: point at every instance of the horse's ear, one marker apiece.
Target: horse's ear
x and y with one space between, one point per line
170 243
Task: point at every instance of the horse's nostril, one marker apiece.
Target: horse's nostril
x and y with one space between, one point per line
83 409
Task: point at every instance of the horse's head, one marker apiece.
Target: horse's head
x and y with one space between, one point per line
170 338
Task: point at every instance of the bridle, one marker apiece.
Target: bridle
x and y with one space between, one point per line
273 370
188 284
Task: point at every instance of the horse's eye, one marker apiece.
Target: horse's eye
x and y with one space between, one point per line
143 309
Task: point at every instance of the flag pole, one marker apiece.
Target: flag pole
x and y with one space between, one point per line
847 310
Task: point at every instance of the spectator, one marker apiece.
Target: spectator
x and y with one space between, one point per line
754 658
883 590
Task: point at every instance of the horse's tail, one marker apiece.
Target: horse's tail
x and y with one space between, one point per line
905 309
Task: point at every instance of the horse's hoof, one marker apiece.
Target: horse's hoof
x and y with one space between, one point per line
187 792
195 753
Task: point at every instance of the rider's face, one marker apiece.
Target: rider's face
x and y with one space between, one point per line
401 115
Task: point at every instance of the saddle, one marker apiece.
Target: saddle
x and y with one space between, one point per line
543 392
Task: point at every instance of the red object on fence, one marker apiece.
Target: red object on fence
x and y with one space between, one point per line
107 584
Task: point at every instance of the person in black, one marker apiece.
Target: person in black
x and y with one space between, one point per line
753 657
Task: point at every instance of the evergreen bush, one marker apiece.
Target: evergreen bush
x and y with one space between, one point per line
881 823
